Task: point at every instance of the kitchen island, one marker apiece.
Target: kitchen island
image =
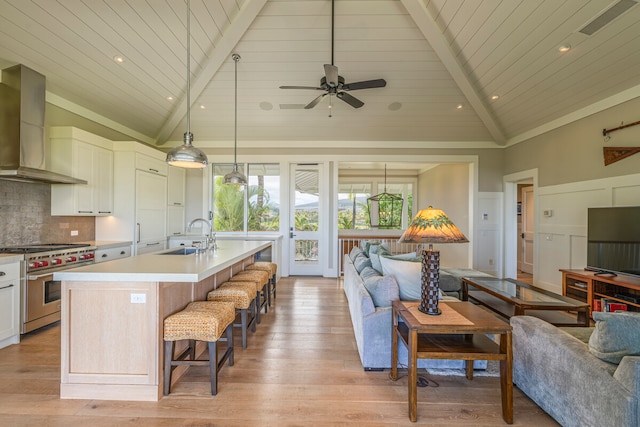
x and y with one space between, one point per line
112 317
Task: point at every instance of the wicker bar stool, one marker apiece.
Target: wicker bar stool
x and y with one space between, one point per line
261 279
200 321
272 269
243 296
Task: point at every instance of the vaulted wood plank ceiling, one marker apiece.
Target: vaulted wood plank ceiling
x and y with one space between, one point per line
443 61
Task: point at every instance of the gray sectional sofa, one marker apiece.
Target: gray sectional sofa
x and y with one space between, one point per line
560 373
372 321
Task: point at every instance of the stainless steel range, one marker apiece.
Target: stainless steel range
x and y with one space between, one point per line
41 295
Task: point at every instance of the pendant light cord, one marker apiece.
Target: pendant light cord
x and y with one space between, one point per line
236 58
187 135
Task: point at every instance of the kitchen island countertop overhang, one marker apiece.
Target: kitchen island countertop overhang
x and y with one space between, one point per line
159 267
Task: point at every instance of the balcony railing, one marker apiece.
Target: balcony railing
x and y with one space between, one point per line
346 243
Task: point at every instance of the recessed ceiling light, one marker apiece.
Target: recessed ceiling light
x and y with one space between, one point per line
459 107
170 98
565 48
495 97
119 59
202 107
266 106
395 106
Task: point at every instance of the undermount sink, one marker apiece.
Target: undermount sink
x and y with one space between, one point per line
181 251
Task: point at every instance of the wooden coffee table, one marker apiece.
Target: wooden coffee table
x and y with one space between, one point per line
509 297
458 333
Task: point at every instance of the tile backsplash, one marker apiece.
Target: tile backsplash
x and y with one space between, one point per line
25 217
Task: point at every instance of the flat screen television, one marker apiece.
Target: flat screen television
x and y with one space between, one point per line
613 240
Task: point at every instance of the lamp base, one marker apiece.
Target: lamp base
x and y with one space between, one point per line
426 310
430 282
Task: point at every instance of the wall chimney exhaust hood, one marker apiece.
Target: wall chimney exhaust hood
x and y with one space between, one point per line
22 148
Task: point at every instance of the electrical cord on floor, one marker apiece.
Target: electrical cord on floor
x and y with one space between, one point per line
422 381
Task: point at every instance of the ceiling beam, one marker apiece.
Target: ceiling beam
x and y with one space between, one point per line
429 28
248 12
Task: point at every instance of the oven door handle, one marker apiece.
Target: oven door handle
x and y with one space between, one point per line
39 276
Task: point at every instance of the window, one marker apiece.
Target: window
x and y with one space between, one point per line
352 206
255 208
353 211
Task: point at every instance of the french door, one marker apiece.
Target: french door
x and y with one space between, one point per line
306 210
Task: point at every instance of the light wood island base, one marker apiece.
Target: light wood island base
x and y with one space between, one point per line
111 331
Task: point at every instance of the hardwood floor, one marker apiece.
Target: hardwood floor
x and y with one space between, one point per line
301 368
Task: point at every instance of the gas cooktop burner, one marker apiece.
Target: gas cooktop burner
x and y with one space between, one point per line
41 247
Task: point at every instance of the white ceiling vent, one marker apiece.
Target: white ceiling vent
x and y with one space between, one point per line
617 9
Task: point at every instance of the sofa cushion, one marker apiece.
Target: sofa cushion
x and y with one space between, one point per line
368 244
383 290
616 335
408 274
361 262
355 251
369 272
374 255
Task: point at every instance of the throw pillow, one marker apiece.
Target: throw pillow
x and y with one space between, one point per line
366 245
368 272
355 251
374 255
383 290
616 335
361 262
408 274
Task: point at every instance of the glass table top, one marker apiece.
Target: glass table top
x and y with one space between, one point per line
520 291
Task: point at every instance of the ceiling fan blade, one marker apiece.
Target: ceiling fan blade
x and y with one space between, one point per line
315 101
301 87
331 73
353 101
365 85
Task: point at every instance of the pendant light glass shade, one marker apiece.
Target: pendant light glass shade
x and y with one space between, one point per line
186 155
235 177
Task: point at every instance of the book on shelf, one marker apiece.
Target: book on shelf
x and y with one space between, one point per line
597 305
610 305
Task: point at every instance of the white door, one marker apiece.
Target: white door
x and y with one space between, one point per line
305 249
526 237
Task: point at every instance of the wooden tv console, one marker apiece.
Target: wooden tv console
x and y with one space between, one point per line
586 286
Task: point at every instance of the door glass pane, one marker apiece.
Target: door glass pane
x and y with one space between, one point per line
306 200
306 252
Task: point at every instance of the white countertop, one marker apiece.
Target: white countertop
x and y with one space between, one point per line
108 244
10 258
156 267
256 236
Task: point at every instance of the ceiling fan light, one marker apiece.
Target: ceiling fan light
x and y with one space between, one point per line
235 177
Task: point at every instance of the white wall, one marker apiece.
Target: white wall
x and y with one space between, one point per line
562 237
446 187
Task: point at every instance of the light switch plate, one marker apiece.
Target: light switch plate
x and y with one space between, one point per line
138 298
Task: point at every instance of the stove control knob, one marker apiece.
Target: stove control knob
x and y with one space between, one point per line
32 265
82 257
44 264
56 261
72 259
91 256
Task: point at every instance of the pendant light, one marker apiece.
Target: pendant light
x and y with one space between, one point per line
186 155
235 177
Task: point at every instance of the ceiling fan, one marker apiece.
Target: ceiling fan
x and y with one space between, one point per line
334 84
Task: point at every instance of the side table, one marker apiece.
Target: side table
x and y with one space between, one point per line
458 333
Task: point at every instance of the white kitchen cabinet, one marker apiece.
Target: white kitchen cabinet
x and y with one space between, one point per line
9 304
109 254
140 198
86 156
176 181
